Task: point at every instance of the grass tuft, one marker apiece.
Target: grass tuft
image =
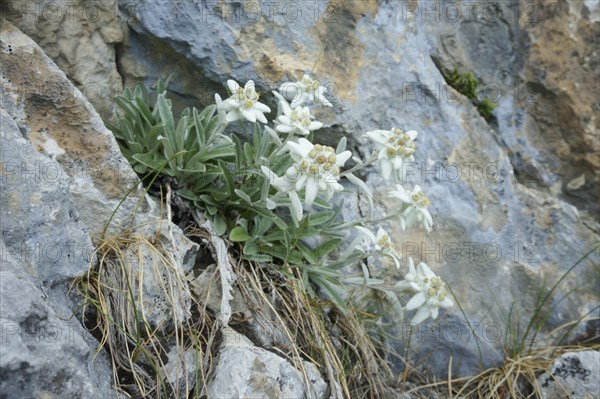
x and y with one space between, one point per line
139 341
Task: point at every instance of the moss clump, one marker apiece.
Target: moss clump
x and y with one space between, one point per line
466 84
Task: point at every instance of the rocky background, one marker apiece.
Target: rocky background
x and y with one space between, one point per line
515 197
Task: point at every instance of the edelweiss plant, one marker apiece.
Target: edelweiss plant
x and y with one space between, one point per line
245 185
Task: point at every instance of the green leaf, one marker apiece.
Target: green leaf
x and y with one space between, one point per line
208 112
326 248
148 160
150 136
228 177
261 226
212 210
308 253
243 196
319 218
331 289
145 111
166 115
188 194
250 248
249 154
220 224
181 134
258 258
239 233
140 169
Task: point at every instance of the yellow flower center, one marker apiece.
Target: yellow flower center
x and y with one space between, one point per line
320 159
384 241
417 196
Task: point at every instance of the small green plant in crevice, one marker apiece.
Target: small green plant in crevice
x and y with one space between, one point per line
466 84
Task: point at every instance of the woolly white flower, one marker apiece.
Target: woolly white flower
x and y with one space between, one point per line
243 103
306 89
395 148
431 293
295 203
316 168
382 242
296 120
416 207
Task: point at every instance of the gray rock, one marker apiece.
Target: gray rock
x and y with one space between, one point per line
45 352
246 371
523 68
40 222
80 37
59 122
573 375
62 178
43 247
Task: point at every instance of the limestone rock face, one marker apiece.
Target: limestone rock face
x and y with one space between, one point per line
43 246
59 122
511 209
539 63
80 36
62 178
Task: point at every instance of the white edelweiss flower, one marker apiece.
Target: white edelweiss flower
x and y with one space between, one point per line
416 207
395 148
316 168
274 180
242 104
296 120
306 89
382 242
431 293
